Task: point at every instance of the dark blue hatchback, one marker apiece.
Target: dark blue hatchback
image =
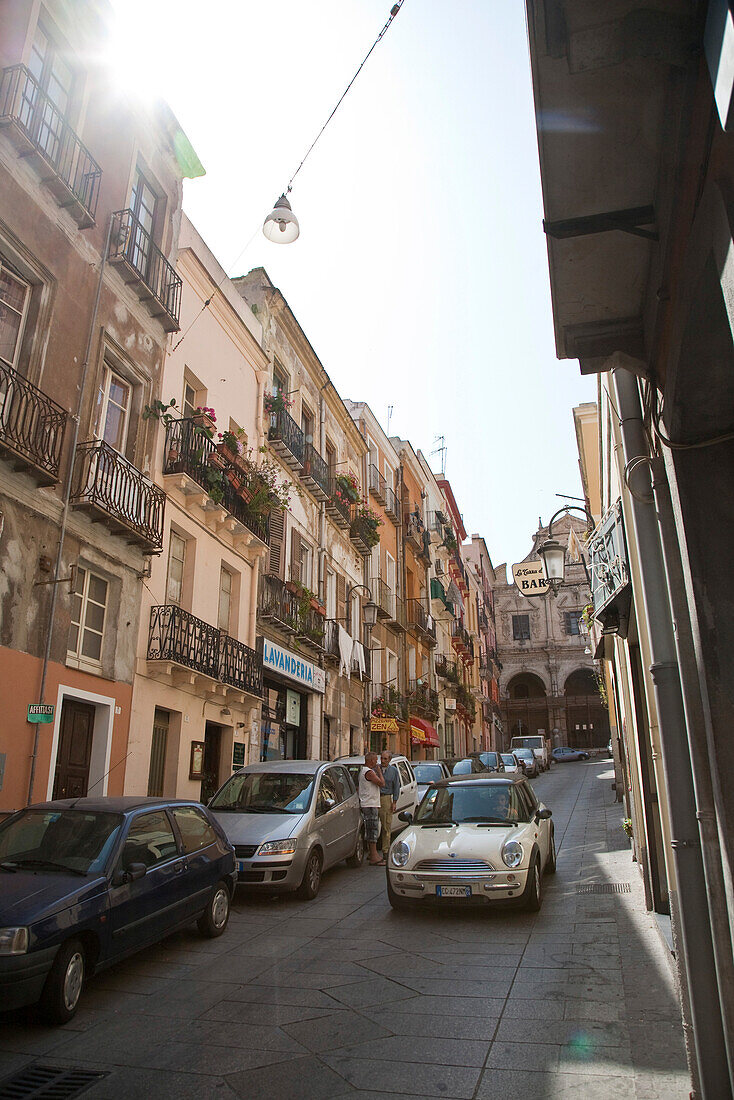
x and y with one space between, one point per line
85 882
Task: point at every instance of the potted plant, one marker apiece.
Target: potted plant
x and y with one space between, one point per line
370 523
347 489
205 418
274 403
215 484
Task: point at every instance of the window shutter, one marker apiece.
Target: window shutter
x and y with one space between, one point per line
295 573
276 564
341 599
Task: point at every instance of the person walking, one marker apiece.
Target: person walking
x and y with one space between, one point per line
389 794
371 781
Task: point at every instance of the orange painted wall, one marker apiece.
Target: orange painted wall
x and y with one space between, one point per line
20 676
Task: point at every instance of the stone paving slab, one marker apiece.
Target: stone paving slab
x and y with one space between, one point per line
342 997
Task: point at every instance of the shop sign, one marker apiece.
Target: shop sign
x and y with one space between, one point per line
449 704
238 755
40 712
292 708
384 725
609 564
293 667
530 578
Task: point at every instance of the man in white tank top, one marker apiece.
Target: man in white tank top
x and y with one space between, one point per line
371 782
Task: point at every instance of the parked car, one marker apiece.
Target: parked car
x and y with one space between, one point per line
511 763
540 746
473 840
529 762
491 760
289 821
86 881
467 765
564 755
427 772
408 798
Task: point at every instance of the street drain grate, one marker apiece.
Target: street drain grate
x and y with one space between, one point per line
48 1082
604 888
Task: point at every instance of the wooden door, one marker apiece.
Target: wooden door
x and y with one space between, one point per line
75 748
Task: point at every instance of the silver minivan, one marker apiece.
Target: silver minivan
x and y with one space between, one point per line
289 821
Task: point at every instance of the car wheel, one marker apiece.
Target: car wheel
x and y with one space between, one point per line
214 919
311 880
357 857
61 993
550 867
396 901
533 897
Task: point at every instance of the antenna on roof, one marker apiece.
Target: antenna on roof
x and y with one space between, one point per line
389 418
441 450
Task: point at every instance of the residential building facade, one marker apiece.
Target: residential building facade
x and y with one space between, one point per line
88 232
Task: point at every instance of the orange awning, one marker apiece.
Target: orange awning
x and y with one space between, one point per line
422 732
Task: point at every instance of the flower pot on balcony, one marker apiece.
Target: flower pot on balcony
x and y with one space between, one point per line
317 606
205 422
233 477
173 456
244 492
215 459
291 586
230 456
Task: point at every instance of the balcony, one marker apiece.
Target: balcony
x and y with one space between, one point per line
466 702
439 599
180 639
384 597
423 699
419 621
364 534
280 605
331 648
41 134
414 530
118 495
396 621
189 463
462 641
338 507
387 702
392 508
377 483
145 268
32 427
287 439
446 668
315 473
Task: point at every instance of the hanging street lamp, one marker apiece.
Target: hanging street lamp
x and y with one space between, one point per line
553 554
281 225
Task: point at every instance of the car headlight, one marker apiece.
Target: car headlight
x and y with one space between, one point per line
13 941
512 853
400 853
279 847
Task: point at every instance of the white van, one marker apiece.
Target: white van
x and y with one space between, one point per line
538 744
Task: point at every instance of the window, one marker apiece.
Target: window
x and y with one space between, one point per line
46 115
520 628
307 424
304 567
331 458
392 669
405 776
143 202
327 789
14 296
113 407
196 832
330 594
149 841
176 562
355 620
390 574
225 600
158 745
573 622
343 783
411 662
280 380
190 403
88 605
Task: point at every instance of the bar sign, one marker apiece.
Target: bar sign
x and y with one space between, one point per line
40 712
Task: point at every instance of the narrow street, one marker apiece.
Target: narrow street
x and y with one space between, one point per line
342 997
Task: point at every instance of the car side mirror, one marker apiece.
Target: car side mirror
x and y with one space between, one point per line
134 871
544 814
406 816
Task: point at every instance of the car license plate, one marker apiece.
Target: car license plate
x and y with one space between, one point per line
453 891
241 865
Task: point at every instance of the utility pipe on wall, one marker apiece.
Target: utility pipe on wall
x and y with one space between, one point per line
695 917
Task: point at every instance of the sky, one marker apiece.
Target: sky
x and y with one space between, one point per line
420 276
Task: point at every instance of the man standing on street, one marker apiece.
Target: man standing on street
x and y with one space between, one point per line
389 795
371 781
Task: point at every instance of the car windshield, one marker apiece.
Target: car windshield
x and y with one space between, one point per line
264 793
508 759
70 840
489 758
474 803
427 773
527 754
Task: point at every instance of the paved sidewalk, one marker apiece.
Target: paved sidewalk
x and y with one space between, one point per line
341 997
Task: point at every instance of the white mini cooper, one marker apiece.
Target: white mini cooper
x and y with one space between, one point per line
474 840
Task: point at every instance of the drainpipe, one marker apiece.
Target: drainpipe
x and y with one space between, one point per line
705 801
694 916
65 511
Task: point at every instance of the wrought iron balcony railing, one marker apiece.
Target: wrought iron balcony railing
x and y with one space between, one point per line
181 638
287 439
331 647
384 597
38 129
446 668
422 697
392 508
418 619
364 534
388 702
143 264
189 451
279 604
338 506
105 483
378 485
32 426
315 472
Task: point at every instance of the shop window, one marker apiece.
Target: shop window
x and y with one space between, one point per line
88 609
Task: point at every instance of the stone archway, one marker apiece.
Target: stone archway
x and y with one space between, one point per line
526 706
587 719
